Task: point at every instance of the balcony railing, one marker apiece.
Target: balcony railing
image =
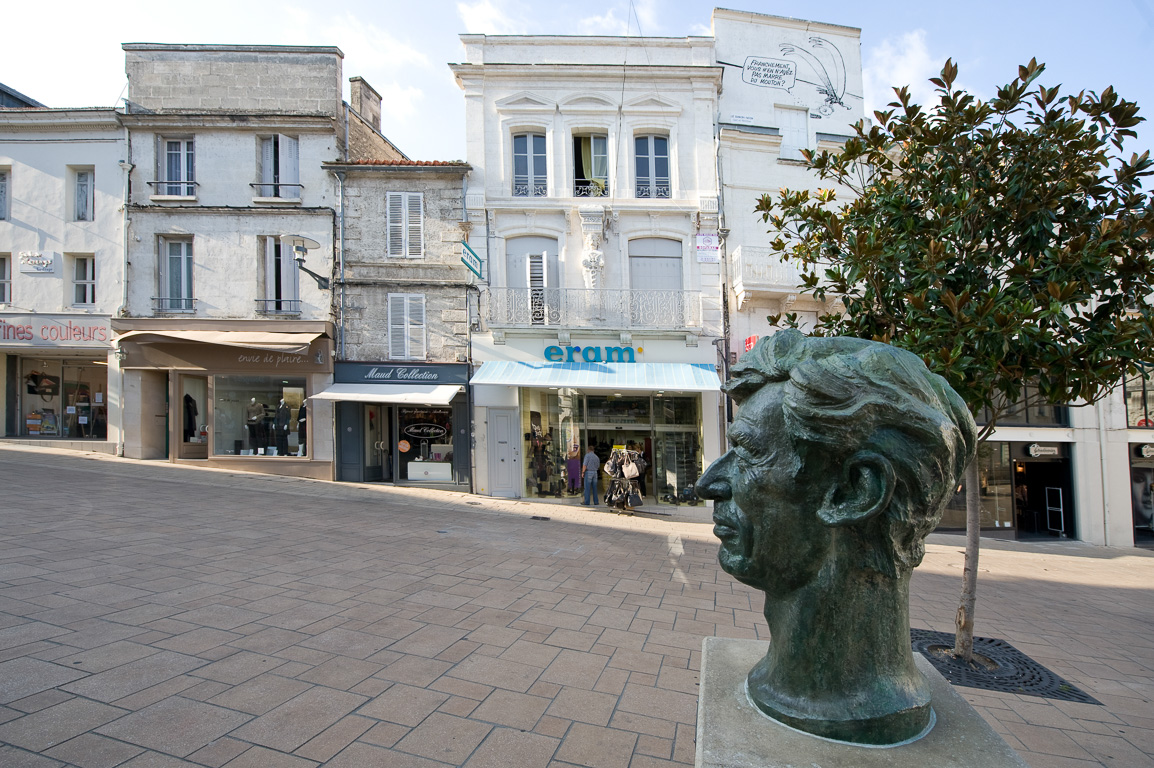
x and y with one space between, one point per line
656 190
762 272
581 308
587 188
278 306
173 304
286 191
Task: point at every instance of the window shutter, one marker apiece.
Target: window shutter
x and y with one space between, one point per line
395 202
536 266
415 224
267 168
290 169
416 316
398 339
3 194
270 266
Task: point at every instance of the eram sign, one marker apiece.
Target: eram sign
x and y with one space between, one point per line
556 354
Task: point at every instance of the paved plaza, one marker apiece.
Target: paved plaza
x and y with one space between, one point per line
154 616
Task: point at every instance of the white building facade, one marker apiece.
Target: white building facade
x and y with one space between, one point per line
61 274
593 206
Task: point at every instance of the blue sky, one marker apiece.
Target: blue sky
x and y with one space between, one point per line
68 53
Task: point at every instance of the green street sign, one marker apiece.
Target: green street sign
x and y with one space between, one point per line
471 260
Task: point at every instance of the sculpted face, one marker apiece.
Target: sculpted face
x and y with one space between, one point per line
764 503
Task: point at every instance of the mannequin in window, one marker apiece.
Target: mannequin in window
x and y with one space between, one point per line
280 425
253 413
302 430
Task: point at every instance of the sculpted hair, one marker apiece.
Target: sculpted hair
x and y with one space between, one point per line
844 395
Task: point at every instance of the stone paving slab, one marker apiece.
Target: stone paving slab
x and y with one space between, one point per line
160 615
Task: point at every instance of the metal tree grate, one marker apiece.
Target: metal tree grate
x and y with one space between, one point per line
1015 673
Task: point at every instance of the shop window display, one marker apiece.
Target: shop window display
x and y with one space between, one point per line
425 444
551 421
997 491
64 399
259 416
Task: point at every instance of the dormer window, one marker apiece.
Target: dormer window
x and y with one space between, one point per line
530 177
590 166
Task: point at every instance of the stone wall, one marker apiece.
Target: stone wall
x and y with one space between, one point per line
241 78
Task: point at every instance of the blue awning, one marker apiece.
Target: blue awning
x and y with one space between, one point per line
677 377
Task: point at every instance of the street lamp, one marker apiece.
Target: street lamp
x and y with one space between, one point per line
300 247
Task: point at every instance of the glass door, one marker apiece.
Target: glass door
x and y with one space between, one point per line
377 431
192 417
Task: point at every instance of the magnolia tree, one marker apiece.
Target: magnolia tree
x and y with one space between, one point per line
1007 242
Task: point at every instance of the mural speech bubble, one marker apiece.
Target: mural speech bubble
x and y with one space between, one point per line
769 73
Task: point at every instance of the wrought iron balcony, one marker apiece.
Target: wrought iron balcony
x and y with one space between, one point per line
278 306
581 308
587 188
654 190
523 186
761 272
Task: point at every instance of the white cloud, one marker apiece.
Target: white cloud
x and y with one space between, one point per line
896 62
606 24
485 17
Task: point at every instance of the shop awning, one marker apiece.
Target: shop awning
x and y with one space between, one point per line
677 377
294 343
414 394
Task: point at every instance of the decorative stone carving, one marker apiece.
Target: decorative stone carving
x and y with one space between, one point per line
844 454
593 234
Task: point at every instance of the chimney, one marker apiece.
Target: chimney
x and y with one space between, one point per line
366 101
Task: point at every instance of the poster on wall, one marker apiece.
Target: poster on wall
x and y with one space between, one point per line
1142 496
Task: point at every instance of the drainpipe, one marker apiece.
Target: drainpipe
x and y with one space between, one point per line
723 234
341 272
125 222
1105 484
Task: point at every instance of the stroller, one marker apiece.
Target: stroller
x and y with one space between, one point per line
623 468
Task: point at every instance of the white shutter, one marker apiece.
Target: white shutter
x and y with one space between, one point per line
398 338
395 234
535 263
3 195
414 224
270 266
290 275
416 316
267 167
290 166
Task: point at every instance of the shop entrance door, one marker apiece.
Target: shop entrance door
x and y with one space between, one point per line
504 467
1042 499
378 438
192 417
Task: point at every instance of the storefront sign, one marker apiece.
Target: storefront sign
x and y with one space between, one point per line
556 354
394 373
471 260
38 263
224 359
1145 451
708 249
1036 450
55 330
425 431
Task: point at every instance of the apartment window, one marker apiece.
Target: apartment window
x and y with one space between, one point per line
655 269
83 280
407 326
533 277
280 174
794 132
5 279
1139 408
590 166
405 224
177 168
82 194
4 182
530 178
175 276
652 154
281 280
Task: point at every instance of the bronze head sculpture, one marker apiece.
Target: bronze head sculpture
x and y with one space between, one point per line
843 455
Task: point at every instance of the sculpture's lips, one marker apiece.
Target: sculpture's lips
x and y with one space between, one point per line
724 525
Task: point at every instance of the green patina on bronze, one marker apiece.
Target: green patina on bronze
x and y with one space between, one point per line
843 454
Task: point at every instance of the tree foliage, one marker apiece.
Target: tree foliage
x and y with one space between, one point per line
1006 241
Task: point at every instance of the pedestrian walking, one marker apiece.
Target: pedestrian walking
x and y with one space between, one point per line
589 467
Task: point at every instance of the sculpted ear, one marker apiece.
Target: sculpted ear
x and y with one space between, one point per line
864 489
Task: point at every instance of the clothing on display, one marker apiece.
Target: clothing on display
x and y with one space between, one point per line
190 414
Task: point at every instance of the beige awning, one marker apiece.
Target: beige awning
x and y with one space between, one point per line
412 394
295 343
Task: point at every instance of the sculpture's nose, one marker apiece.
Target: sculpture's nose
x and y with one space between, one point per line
714 484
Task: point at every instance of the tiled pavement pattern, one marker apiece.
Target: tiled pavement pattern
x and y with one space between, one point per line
155 616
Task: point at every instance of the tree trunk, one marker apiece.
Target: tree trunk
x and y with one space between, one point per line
964 639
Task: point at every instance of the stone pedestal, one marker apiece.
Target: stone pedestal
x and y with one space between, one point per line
732 733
